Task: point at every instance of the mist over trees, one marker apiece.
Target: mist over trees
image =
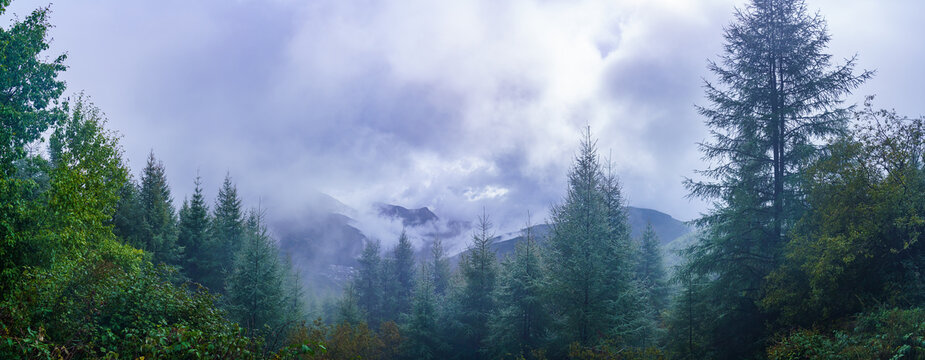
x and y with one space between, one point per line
811 250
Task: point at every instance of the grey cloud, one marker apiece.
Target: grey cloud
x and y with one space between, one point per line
427 104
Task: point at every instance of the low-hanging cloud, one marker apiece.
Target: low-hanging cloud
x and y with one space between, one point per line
457 106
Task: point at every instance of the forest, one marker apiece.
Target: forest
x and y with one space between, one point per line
810 249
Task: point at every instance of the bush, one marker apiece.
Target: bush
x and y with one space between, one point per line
883 334
94 308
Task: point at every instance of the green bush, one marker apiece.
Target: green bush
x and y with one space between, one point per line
884 334
93 308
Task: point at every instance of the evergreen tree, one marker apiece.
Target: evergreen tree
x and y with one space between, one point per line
255 293
520 324
226 235
590 286
777 93
399 279
479 272
160 239
368 283
688 320
440 267
420 326
651 277
295 307
347 310
193 235
128 221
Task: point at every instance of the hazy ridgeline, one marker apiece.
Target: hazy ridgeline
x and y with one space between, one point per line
811 249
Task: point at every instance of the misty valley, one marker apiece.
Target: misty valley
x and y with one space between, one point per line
810 200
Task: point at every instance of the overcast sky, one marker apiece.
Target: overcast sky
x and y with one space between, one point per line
454 105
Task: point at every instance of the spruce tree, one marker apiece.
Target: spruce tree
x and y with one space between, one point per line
479 272
420 327
399 279
226 235
194 234
368 283
776 93
440 267
651 277
158 212
255 294
590 284
520 324
128 222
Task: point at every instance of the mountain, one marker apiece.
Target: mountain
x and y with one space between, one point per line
323 243
667 228
408 217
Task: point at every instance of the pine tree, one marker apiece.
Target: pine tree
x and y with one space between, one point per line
651 277
419 327
368 283
348 311
399 278
589 271
158 212
255 293
193 236
226 235
520 324
128 221
440 267
777 93
479 272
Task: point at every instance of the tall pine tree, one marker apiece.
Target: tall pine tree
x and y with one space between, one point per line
193 236
590 285
479 272
399 278
368 283
255 293
652 280
519 326
420 327
440 268
777 93
226 235
160 238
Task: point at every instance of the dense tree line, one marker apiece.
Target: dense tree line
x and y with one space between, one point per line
812 248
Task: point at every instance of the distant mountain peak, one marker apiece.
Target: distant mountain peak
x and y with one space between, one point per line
408 217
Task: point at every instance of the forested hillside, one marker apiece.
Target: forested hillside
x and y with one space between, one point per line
810 248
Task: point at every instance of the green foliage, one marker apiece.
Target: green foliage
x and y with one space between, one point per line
882 334
777 93
158 213
256 294
368 283
688 319
862 233
611 351
193 235
398 280
85 182
521 322
92 308
29 86
590 287
440 267
478 271
28 107
651 278
420 328
227 234
348 341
